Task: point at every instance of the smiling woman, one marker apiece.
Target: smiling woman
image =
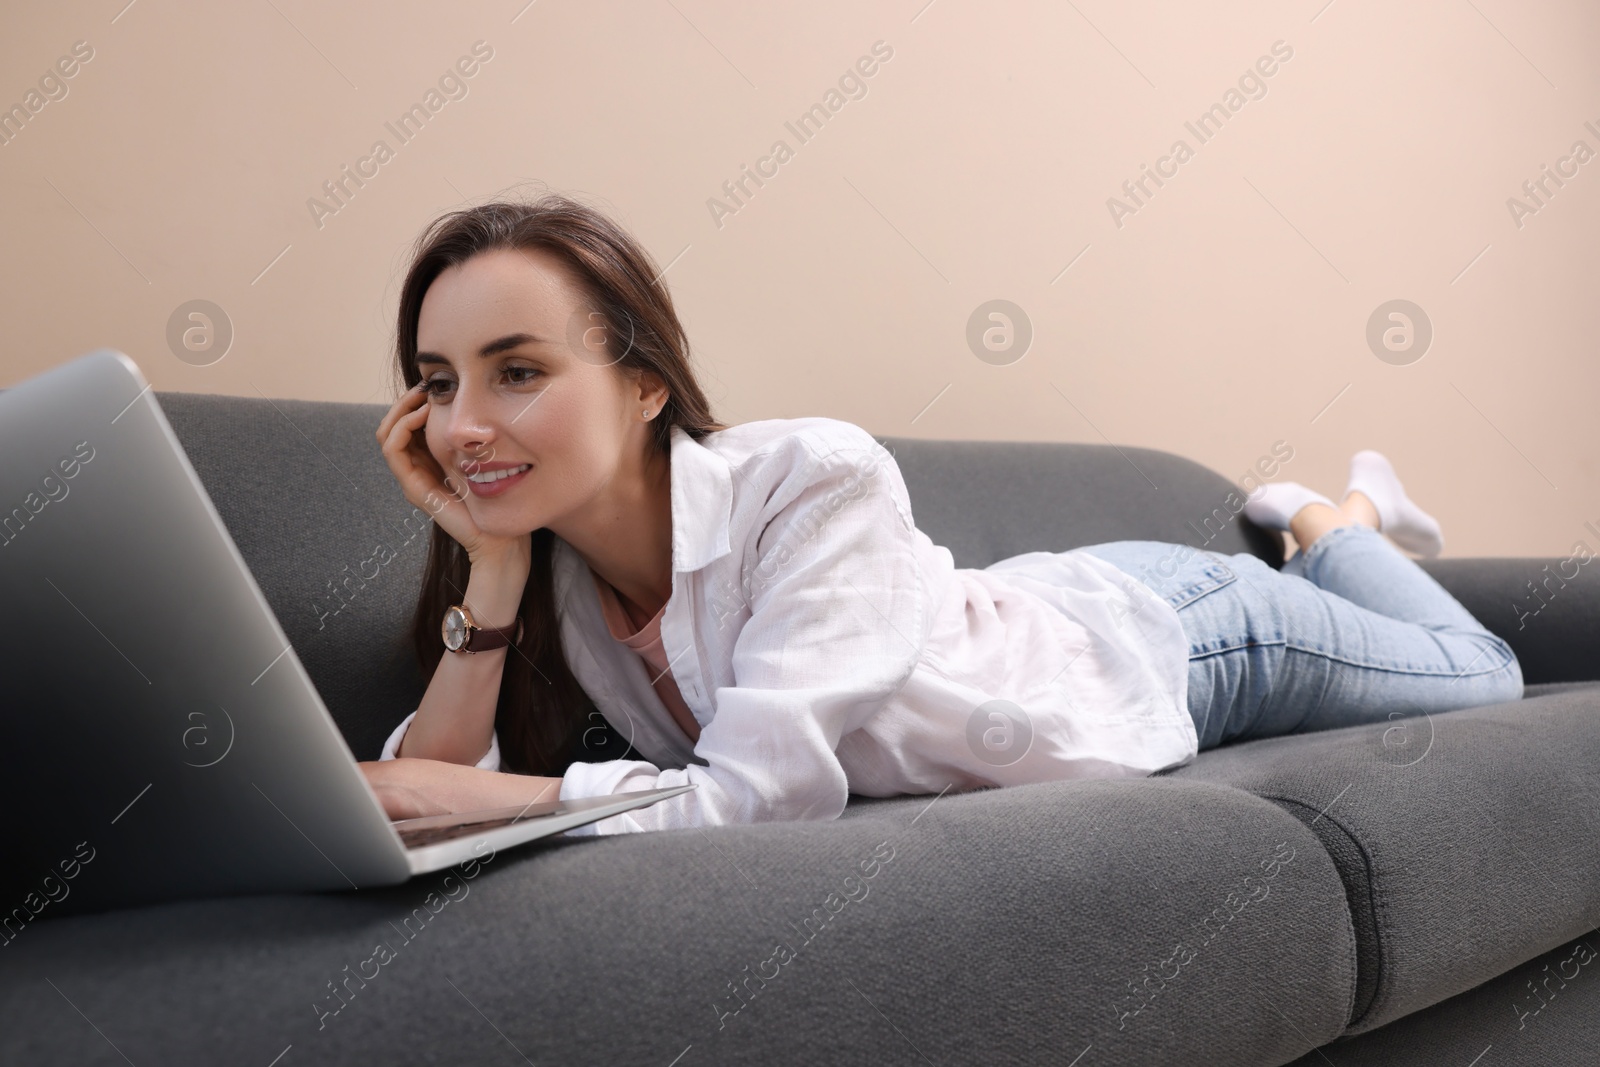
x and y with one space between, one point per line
535 425
754 610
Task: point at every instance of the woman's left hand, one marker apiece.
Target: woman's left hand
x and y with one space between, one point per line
410 788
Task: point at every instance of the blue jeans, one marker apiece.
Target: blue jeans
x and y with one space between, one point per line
1350 631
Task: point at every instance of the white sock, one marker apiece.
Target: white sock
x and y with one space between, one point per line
1277 503
1405 524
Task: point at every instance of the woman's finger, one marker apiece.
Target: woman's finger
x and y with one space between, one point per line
417 804
403 801
397 409
399 446
423 480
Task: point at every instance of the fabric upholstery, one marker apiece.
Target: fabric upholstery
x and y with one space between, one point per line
1466 841
1004 926
306 495
1552 623
1545 1011
988 500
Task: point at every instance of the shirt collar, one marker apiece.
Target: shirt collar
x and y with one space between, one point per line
702 503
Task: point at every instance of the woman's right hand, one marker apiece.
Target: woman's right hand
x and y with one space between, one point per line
405 448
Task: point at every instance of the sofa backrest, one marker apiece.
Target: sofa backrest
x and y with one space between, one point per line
334 545
338 551
988 500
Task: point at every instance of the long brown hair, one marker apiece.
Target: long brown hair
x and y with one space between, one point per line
540 703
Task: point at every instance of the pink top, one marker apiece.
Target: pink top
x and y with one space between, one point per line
646 641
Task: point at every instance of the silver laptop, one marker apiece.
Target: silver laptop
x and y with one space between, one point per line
159 736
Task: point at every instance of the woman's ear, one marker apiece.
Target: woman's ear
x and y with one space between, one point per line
652 392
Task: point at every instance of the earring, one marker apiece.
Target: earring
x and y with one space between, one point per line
647 413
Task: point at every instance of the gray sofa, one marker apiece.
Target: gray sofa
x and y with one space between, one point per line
1426 891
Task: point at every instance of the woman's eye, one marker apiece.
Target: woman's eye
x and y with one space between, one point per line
437 387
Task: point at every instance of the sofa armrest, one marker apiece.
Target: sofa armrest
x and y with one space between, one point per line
1547 609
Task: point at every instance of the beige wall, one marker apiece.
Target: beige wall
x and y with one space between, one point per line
1226 313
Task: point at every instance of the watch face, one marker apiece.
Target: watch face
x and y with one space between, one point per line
455 629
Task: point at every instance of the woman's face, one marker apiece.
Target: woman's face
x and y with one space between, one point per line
547 393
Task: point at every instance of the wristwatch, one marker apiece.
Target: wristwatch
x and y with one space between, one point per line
462 634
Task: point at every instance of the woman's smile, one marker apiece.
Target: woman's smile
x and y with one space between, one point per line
495 482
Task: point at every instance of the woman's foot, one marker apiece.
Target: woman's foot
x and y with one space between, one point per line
1279 502
1373 476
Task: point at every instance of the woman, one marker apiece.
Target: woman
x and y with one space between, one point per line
754 610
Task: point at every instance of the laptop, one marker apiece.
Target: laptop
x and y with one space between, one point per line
160 737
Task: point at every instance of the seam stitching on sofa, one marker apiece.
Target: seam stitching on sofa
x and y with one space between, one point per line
1374 900
1375 907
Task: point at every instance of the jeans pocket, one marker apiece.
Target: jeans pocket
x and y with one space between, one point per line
1200 580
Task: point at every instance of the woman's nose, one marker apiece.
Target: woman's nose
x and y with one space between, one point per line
469 426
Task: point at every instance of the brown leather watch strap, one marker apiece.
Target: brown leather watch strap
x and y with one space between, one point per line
477 638
487 638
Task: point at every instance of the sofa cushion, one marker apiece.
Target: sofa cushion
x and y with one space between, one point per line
1540 689
1545 1011
1466 840
1001 926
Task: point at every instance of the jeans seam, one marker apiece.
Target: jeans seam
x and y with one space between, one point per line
1235 648
1396 670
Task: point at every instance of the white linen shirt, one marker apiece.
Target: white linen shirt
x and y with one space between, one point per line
826 646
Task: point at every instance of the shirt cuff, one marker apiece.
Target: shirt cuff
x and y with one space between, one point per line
582 779
490 761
